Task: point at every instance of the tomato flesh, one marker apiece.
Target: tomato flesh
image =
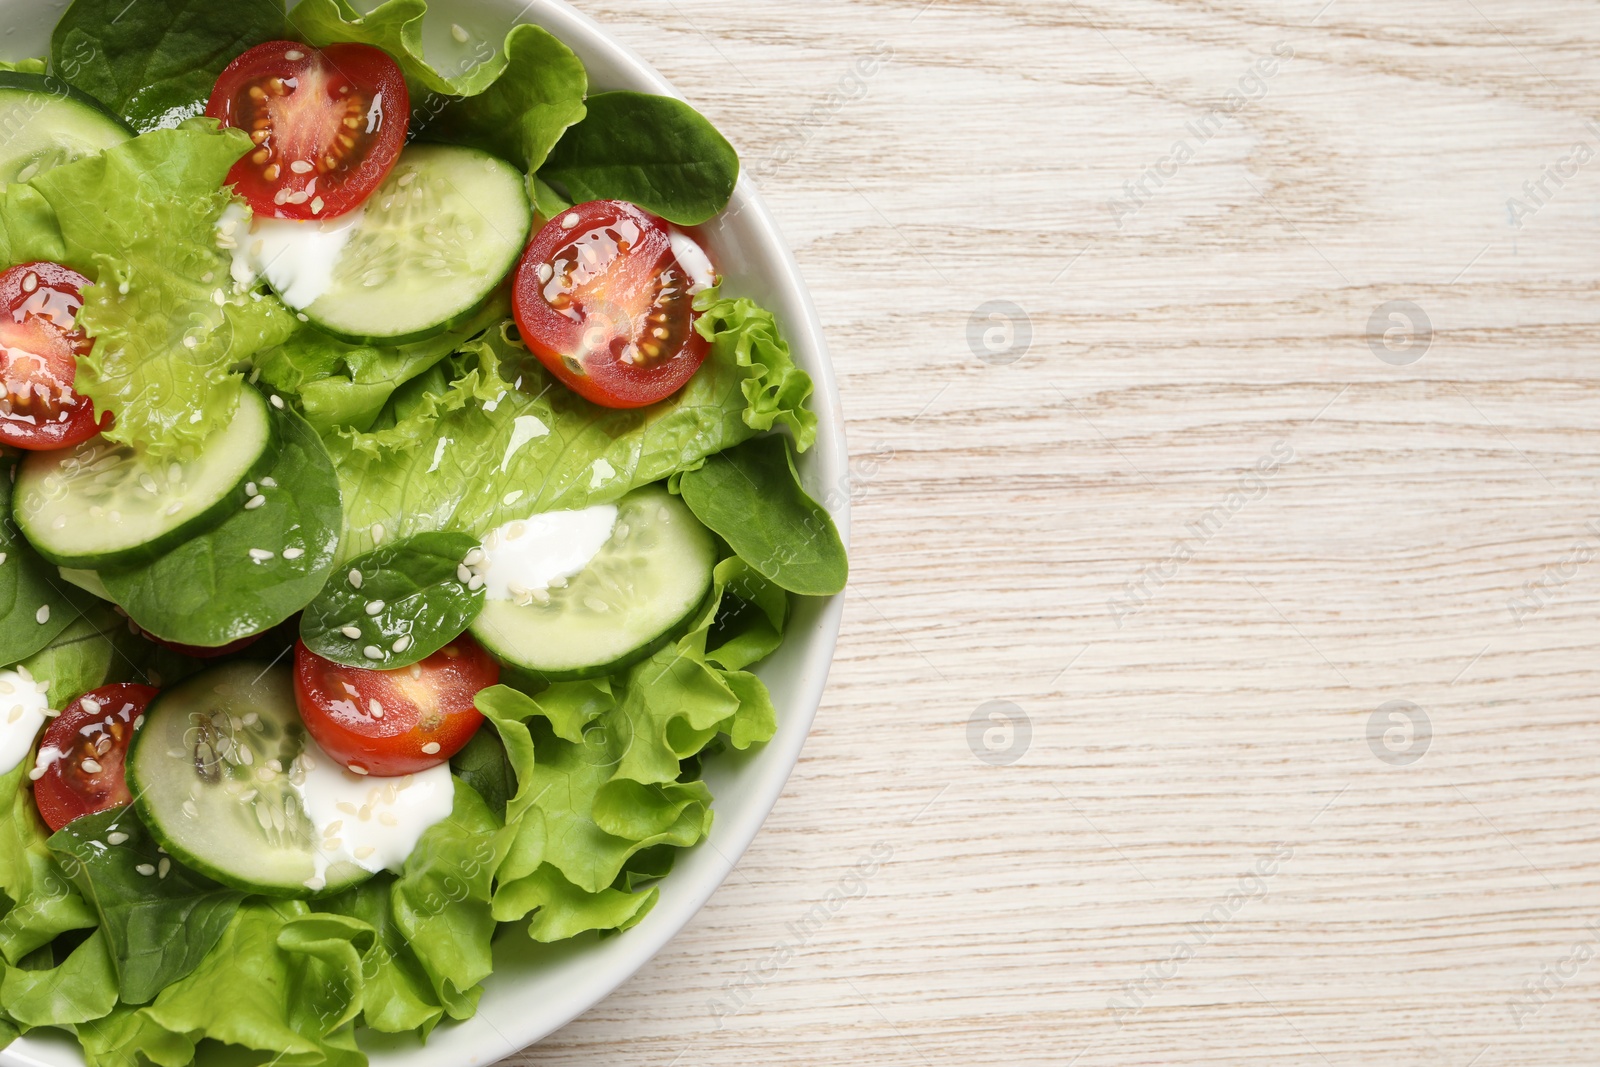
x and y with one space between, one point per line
602 300
40 342
394 722
89 742
328 125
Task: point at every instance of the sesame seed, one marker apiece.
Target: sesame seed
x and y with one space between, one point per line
474 557
254 502
260 555
91 766
352 632
300 166
464 573
164 867
374 607
402 644
570 222
42 616
356 768
91 705
431 748
355 578
30 283
364 851
294 55
270 483
277 401
293 553
372 652
546 272
377 532
317 206
459 32
145 869
116 837
475 584
249 488
375 707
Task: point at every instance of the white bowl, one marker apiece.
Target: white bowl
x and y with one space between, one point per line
537 989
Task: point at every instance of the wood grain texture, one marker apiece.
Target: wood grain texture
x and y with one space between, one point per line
1200 857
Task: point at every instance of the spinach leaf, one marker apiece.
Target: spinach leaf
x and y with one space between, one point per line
154 62
256 568
484 765
159 925
751 496
422 604
524 113
35 605
655 151
94 649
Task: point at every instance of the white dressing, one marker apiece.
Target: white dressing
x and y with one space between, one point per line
374 823
693 259
296 258
24 708
530 555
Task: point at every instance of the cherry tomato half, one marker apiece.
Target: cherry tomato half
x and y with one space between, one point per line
89 743
402 721
602 299
40 343
328 125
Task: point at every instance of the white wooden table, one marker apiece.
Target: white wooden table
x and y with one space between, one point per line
1209 835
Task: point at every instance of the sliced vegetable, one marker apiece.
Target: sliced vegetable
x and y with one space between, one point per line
397 722
261 564
648 577
751 495
327 125
431 245
80 765
213 778
50 123
412 599
102 504
40 342
603 301
35 606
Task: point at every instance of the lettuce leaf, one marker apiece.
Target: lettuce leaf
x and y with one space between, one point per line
398 996
484 451
342 385
283 979
139 219
39 901
80 989
396 27
528 108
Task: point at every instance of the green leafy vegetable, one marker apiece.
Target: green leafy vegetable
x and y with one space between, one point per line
283 979
396 27
655 151
79 990
424 604
140 219
155 62
346 385
127 1033
398 995
94 649
484 765
158 927
441 901
751 495
40 902
524 113
26 66
35 605
485 451
255 569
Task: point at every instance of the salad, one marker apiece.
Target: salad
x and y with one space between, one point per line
398 503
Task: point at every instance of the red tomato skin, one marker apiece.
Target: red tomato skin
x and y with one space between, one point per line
642 275
432 706
66 791
310 122
40 343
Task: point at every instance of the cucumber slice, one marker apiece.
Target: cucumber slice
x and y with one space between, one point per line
44 123
211 774
100 503
441 232
646 580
